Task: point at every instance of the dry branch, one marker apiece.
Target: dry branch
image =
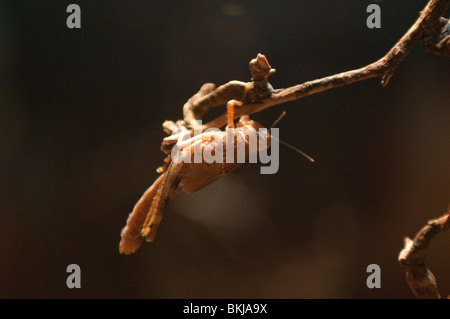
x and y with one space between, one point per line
419 278
262 95
441 29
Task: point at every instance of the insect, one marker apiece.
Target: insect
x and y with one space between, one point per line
190 176
144 220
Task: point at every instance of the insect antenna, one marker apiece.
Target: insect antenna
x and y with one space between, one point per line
309 158
286 144
277 120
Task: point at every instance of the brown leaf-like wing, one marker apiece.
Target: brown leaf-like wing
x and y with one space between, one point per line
168 188
199 175
131 233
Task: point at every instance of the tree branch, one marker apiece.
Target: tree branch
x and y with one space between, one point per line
441 29
262 95
419 278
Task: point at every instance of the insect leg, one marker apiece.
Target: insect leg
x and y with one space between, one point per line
232 103
230 111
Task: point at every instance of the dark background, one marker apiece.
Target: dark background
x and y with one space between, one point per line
81 113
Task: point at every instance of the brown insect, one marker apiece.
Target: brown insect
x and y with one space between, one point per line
190 177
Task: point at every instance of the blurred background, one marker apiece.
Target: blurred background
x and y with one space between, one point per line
80 132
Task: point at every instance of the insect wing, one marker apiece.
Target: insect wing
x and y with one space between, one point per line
199 175
131 233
